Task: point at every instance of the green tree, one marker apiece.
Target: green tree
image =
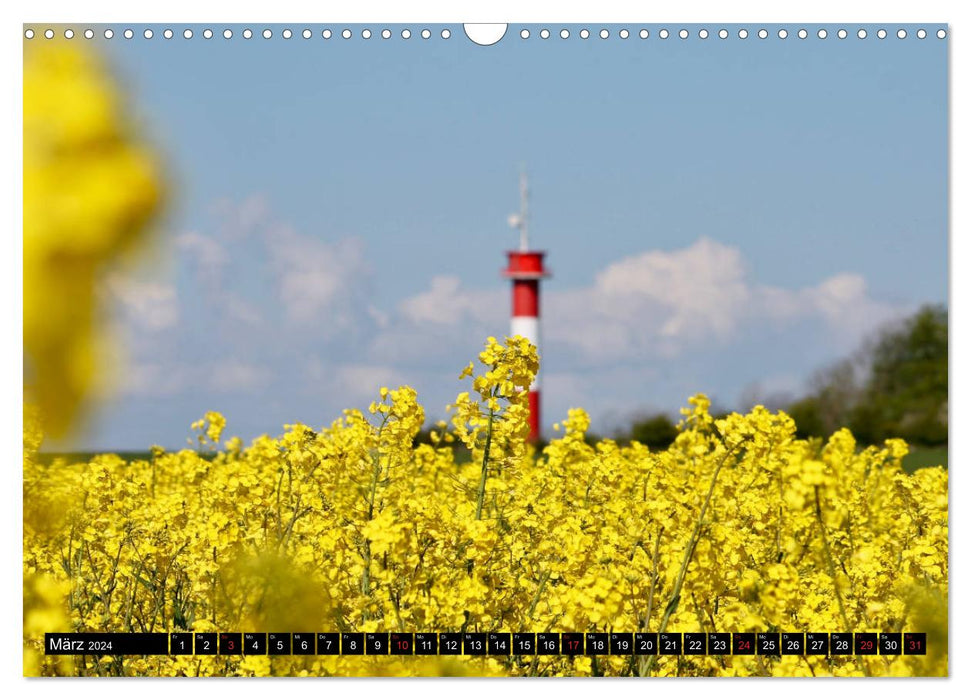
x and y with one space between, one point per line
906 391
808 415
657 431
895 386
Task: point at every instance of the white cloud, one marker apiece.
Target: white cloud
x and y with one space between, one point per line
238 220
656 304
318 281
844 302
353 383
442 323
362 382
206 252
238 310
165 378
447 303
159 379
315 280
380 318
698 291
661 303
841 302
236 376
211 259
151 306
151 380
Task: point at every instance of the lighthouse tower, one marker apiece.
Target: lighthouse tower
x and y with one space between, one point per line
526 270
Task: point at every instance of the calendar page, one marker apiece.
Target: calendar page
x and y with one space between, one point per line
518 350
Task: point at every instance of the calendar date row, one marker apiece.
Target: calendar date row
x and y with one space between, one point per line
489 643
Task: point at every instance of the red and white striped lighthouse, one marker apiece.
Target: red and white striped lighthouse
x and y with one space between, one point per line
526 270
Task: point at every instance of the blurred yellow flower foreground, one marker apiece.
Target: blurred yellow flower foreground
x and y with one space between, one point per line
89 191
738 526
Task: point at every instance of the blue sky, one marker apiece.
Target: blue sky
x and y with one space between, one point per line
724 216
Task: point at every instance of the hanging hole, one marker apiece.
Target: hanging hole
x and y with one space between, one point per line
485 34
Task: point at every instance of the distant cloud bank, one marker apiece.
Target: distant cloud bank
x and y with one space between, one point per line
253 307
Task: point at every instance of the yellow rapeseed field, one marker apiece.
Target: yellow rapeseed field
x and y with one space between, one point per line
738 526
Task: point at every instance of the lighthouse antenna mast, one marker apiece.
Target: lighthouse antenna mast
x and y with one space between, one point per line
523 219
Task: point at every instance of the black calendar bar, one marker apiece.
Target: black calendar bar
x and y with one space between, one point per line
487 643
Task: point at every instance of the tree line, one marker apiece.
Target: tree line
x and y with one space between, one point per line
895 385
